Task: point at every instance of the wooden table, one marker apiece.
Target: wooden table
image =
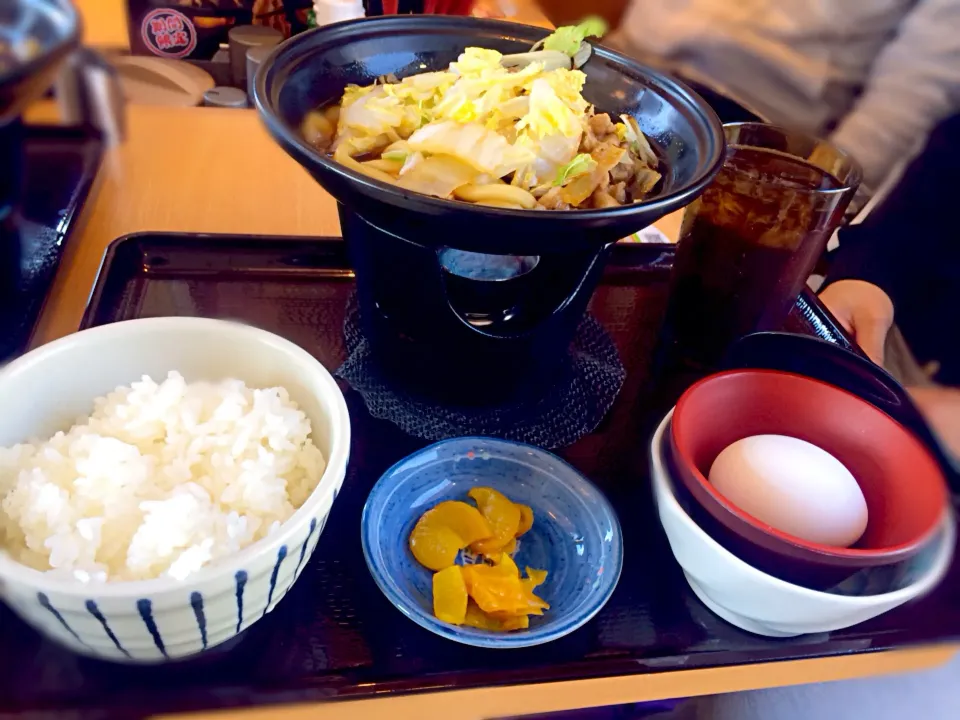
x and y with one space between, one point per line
235 180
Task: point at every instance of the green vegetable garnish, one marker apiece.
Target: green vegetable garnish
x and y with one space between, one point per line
567 39
580 165
396 155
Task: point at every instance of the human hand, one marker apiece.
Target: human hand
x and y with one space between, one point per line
941 407
864 310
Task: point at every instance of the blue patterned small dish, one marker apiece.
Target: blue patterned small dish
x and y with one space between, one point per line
575 536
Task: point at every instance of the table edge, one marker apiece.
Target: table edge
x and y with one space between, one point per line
499 702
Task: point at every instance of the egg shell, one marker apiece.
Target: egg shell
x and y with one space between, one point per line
793 486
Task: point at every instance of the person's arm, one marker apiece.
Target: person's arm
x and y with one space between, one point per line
913 84
865 311
891 251
941 407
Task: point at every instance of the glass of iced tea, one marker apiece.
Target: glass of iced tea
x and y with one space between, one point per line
749 243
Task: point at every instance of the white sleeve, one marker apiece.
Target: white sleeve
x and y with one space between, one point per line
913 84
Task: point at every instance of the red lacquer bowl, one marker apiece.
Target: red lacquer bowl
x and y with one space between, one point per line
902 484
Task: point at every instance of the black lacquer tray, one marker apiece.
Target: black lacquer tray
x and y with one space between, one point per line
335 635
60 164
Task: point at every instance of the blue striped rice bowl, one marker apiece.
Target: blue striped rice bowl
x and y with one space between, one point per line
162 619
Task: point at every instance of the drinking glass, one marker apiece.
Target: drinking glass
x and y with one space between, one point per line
749 243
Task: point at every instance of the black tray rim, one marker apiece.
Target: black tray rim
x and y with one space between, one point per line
626 258
82 135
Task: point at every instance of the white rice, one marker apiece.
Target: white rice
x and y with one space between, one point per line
159 481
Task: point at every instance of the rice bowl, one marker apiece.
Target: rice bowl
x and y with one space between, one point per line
161 618
161 480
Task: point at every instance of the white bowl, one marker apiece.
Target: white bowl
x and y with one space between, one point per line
765 605
155 620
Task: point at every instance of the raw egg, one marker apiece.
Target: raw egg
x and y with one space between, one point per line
793 486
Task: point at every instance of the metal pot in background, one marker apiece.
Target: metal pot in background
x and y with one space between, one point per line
36 36
40 46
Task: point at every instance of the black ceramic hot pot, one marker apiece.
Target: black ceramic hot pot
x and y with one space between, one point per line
427 304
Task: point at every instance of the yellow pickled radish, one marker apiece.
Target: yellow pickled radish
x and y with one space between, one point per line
435 547
442 531
450 595
502 515
526 519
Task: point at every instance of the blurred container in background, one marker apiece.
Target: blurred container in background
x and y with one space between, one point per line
195 29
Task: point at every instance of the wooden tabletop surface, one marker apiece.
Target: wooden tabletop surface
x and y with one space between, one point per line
207 170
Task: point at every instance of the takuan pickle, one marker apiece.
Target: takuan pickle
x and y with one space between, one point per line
443 531
491 594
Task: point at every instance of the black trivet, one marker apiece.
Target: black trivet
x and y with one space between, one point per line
572 406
